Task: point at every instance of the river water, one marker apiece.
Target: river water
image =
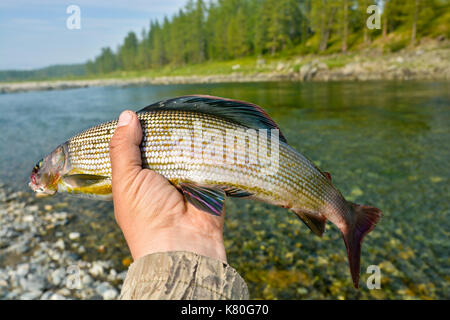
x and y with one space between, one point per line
384 143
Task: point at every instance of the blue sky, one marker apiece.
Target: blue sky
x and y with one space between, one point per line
33 33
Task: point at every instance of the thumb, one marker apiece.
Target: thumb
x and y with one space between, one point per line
124 150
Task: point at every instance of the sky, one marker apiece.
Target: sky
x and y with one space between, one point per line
34 33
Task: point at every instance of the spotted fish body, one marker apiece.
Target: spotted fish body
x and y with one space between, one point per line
298 183
187 140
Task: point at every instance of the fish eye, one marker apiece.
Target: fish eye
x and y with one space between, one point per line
38 165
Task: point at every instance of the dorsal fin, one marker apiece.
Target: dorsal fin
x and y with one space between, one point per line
244 113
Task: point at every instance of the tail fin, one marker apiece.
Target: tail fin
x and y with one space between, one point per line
366 219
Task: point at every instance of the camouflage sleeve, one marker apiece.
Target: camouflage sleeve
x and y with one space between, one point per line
182 275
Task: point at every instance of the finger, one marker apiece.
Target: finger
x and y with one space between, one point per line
124 150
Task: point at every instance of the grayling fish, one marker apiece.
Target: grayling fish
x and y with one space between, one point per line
210 148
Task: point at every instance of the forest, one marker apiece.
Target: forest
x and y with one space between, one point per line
230 29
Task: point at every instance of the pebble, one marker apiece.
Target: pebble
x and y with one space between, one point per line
87 280
32 295
19 247
57 296
74 235
28 218
57 277
102 288
46 295
60 244
96 269
110 294
33 208
32 283
40 272
22 269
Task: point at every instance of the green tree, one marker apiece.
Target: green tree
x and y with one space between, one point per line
323 14
128 52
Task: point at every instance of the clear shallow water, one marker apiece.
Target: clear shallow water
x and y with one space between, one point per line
384 143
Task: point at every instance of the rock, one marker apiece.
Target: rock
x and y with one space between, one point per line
57 277
87 280
19 247
23 269
103 287
302 291
307 71
54 255
122 275
260 62
57 296
11 295
32 295
96 269
46 295
63 292
321 66
441 38
110 294
32 283
28 218
280 66
112 275
74 235
400 59
3 284
33 208
60 244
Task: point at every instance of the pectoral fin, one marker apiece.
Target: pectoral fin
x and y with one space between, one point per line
82 180
209 199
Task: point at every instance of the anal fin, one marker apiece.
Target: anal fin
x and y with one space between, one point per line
236 192
313 222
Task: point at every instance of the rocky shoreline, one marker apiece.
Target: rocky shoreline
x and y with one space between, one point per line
419 64
33 267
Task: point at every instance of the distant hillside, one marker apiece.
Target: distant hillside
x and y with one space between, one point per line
51 72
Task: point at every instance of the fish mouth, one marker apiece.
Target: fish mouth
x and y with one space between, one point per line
39 190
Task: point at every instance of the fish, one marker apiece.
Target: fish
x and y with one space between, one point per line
211 148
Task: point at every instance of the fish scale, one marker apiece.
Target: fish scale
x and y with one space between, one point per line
296 177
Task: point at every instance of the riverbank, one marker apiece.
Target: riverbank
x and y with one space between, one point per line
427 62
34 267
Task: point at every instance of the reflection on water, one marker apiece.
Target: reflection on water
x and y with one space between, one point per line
385 144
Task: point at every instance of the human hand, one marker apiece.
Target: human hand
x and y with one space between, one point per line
152 214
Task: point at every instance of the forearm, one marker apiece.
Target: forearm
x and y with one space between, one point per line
182 275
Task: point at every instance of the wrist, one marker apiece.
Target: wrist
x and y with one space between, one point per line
178 239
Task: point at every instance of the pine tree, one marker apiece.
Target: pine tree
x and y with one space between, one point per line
128 52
